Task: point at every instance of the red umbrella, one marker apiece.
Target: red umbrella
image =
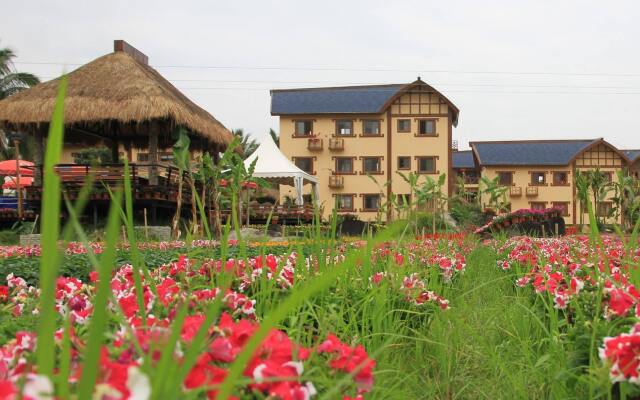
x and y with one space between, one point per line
11 182
8 167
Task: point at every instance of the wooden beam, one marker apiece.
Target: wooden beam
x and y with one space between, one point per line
122 46
153 153
38 155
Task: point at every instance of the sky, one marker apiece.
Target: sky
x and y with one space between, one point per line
516 70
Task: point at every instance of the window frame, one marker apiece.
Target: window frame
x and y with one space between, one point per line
408 130
337 130
609 205
144 159
553 178
424 120
378 172
364 202
338 159
431 172
377 121
303 135
311 159
538 173
565 204
399 198
511 173
532 204
398 163
337 202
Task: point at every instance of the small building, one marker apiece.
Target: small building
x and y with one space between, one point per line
355 139
541 173
121 102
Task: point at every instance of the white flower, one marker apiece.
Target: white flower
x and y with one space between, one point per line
138 384
38 387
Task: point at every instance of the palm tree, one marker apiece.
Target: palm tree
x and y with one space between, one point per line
247 143
274 136
582 193
11 81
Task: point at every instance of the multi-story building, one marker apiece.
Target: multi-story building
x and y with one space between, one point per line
355 139
541 173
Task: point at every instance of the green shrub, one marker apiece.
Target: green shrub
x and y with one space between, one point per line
466 214
9 237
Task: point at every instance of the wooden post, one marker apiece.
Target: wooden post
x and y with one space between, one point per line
153 153
146 227
38 156
115 151
18 173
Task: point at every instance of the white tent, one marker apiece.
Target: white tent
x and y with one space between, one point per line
275 167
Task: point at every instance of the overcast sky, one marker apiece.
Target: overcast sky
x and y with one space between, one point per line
538 70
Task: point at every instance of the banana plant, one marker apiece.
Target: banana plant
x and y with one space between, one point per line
181 157
582 192
431 191
497 193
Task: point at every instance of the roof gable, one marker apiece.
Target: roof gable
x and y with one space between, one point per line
538 152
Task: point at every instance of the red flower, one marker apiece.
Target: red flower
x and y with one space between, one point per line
4 293
620 302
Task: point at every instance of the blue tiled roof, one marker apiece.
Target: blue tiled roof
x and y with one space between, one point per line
463 159
552 152
353 99
632 154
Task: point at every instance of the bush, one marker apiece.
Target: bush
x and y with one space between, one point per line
466 214
425 221
9 237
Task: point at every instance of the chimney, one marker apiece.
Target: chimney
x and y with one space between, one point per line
121 45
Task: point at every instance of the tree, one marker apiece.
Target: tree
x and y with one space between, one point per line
12 82
582 192
599 186
247 143
497 193
274 136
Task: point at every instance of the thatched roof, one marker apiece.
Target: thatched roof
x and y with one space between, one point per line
118 87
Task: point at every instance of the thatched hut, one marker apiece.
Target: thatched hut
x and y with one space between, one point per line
117 100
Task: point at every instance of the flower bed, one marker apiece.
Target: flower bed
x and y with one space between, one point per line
284 366
502 221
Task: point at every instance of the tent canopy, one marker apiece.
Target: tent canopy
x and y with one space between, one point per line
274 166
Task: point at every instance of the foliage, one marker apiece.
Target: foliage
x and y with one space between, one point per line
9 237
11 81
247 143
274 136
497 193
95 155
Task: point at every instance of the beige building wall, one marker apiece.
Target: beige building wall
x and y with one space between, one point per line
523 193
389 145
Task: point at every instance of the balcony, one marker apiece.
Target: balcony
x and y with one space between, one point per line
515 191
336 144
532 191
314 144
336 182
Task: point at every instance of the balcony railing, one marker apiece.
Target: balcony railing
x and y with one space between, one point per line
336 144
515 191
336 182
314 144
532 191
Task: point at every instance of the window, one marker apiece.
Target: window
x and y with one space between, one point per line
605 209
371 127
404 162
560 178
538 205
344 127
371 202
344 165
505 178
426 165
165 156
403 199
372 165
608 176
305 164
538 178
564 205
142 157
404 125
344 202
427 127
303 128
